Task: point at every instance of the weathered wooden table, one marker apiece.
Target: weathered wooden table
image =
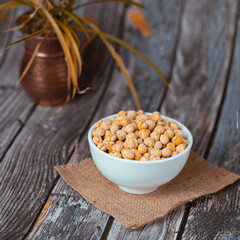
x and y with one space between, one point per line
197 46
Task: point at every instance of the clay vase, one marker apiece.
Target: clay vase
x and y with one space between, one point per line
46 80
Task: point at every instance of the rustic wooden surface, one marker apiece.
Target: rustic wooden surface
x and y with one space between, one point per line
196 45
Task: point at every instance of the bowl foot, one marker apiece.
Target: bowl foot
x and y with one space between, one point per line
138 190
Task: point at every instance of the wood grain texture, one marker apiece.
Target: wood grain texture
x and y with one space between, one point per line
222 209
198 83
15 109
27 175
10 60
163 17
115 98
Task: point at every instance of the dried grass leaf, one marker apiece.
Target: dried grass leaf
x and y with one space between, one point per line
139 21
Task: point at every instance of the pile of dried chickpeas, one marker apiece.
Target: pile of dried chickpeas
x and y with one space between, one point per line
138 136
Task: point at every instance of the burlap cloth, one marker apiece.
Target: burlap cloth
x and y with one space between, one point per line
196 179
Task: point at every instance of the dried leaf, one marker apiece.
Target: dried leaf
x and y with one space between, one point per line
101 1
28 36
139 21
85 90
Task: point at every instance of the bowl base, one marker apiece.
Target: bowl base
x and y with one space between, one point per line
138 190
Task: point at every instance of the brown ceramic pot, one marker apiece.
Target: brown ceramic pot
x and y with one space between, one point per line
46 80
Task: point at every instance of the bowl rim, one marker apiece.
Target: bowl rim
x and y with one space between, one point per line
189 136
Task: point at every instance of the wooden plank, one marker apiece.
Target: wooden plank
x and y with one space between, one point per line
116 97
10 59
27 175
15 109
206 29
222 209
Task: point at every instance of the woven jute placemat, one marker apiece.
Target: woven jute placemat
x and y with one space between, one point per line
196 179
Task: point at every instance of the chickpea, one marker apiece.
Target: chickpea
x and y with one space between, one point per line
137 155
122 113
166 152
121 134
149 142
167 128
131 143
158 145
94 132
144 133
159 129
117 122
174 153
135 125
107 121
102 147
178 132
114 128
142 148
97 139
136 132
139 140
151 124
116 154
124 129
113 119
108 144
147 155
152 158
105 125
144 159
166 122
140 112
185 141
124 121
174 125
155 136
171 146
143 117
156 118
112 137
160 123
128 154
150 150
142 125
107 134
100 131
156 113
118 147
130 128
131 114
170 133
177 139
164 139
156 152
99 123
131 135
180 148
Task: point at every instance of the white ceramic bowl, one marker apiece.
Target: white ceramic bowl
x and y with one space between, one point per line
140 177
